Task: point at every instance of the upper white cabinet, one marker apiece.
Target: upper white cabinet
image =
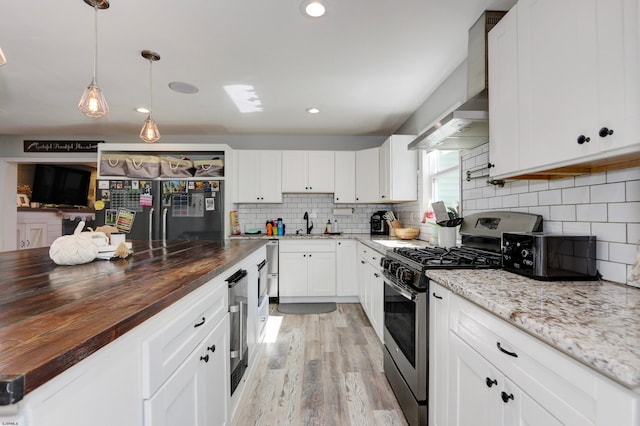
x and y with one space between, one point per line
345 177
576 85
308 171
368 175
504 149
259 176
398 170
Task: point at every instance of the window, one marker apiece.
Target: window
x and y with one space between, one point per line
441 179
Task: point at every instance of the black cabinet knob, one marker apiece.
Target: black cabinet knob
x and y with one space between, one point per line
506 396
206 359
604 132
582 139
491 382
212 348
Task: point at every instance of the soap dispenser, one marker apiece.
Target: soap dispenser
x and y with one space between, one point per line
327 228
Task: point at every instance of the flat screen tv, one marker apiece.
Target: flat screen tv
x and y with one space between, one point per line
60 185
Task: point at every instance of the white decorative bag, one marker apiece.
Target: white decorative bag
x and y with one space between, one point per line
76 249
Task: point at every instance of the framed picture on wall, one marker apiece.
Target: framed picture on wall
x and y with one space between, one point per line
23 201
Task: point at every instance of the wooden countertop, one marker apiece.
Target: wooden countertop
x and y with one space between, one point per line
52 317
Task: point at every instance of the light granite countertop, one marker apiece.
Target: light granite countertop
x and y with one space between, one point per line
594 322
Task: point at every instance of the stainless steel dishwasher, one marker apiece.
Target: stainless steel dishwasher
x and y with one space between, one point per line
239 349
272 271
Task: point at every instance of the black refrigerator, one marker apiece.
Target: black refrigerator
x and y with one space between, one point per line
163 209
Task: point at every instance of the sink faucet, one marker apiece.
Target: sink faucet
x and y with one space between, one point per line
306 217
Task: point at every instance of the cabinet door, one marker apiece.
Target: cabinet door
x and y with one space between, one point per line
385 170
345 177
362 282
321 167
179 400
504 148
248 177
293 274
519 409
346 272
558 86
368 176
398 170
321 274
270 177
438 355
295 166
474 387
376 297
216 374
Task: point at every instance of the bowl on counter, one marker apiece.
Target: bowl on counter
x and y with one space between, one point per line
407 233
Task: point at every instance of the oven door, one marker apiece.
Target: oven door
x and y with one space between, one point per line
406 334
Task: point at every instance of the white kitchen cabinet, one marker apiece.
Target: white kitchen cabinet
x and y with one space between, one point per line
368 175
398 170
196 393
307 268
371 287
31 235
259 176
438 354
345 177
308 171
542 386
504 148
577 75
346 273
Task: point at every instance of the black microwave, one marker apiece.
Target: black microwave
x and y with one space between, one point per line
550 257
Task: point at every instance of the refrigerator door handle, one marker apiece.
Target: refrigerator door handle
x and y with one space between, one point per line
164 223
150 223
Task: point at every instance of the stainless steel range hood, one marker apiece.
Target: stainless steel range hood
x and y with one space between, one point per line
468 125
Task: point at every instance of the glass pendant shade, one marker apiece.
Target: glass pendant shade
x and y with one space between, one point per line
149 132
3 59
92 103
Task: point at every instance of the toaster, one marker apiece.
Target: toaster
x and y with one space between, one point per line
550 257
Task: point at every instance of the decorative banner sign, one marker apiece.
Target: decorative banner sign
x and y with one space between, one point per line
61 146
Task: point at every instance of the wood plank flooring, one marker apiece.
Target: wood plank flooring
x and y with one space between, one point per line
323 369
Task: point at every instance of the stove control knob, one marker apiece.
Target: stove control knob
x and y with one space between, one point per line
525 253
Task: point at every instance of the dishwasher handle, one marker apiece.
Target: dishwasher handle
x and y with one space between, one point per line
236 277
262 264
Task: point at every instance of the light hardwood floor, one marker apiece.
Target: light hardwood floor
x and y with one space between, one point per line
322 370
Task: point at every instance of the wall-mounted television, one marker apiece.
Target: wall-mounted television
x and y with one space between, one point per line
54 184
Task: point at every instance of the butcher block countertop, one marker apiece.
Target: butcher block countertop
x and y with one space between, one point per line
52 317
594 322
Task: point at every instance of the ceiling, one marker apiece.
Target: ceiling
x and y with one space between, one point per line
367 64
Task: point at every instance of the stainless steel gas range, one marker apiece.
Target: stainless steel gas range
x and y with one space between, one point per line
406 299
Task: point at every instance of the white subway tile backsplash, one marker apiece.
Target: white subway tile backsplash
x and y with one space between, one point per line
576 228
528 199
567 182
624 212
495 203
591 212
622 253
592 179
608 193
613 232
633 190
563 213
551 197
612 271
602 250
540 210
623 175
577 195
519 186
538 185
551 226
633 233
510 201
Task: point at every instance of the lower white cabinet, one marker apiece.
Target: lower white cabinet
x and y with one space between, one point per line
438 354
346 273
371 287
196 393
31 235
307 268
499 375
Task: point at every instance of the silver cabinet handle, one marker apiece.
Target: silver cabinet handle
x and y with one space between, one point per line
164 223
151 223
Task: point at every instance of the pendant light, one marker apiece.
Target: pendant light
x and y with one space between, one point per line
149 132
92 103
3 59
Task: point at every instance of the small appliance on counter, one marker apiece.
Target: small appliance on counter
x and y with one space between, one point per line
379 226
550 257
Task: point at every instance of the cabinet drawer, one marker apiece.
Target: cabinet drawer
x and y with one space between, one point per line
307 245
370 255
564 387
186 325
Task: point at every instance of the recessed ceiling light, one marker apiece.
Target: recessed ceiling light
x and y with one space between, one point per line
180 87
312 110
244 97
314 8
143 110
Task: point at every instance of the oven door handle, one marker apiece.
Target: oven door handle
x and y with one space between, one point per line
403 292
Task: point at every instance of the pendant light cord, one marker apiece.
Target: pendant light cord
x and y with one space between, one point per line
150 86
95 50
